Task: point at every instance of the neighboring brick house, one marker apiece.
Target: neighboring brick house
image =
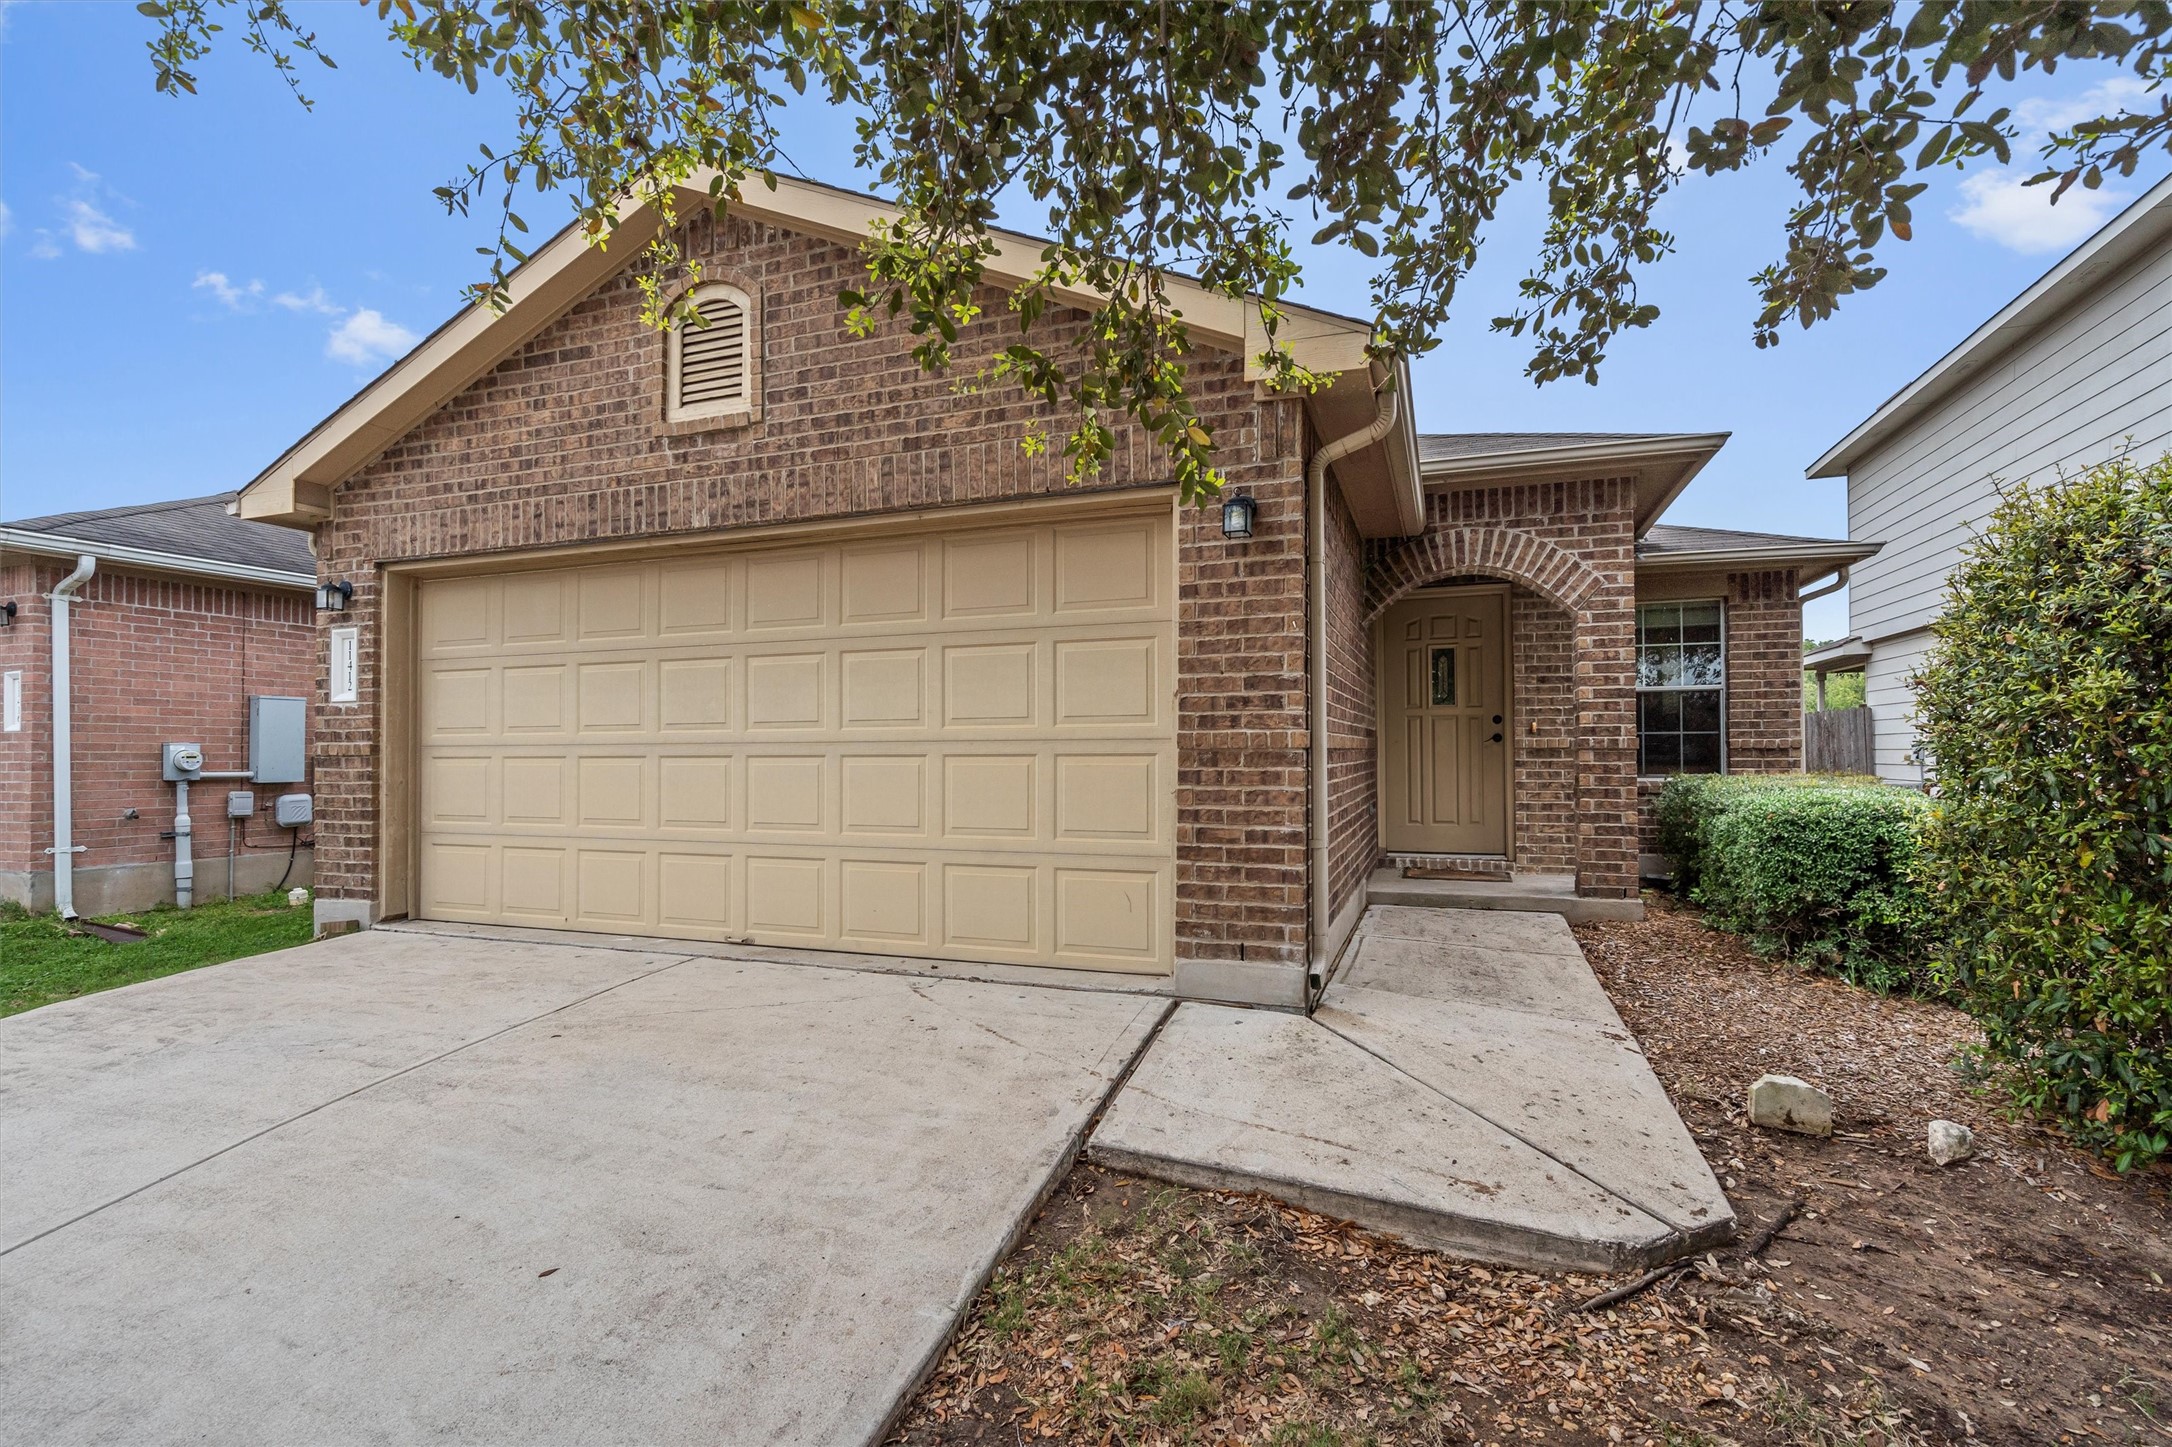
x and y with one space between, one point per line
756 632
187 612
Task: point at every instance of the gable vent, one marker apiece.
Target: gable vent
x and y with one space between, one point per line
715 371
713 359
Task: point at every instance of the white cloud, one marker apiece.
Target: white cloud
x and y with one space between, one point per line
313 301
2106 98
84 222
229 294
1998 206
7 221
367 337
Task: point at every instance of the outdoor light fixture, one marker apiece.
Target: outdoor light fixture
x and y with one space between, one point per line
334 597
7 614
1237 515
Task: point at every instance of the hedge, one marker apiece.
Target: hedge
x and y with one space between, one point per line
1821 869
2045 712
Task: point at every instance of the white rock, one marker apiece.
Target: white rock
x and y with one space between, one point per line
1951 1142
1781 1102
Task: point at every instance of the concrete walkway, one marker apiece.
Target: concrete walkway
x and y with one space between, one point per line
405 1187
1464 1084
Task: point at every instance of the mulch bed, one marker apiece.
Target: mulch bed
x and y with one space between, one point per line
2019 1297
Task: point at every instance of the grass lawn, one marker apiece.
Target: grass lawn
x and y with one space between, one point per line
41 961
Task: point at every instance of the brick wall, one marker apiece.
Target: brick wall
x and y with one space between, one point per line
565 442
1353 811
152 659
1542 663
1764 673
26 793
1572 545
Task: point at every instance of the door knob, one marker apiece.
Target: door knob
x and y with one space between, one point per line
1495 739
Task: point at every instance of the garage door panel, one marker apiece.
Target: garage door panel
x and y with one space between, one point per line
884 689
533 883
694 695
535 609
785 591
1100 567
992 575
1104 681
694 791
533 789
784 691
611 888
884 584
612 791
784 896
534 699
694 599
958 745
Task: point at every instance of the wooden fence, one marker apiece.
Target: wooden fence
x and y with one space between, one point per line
1837 741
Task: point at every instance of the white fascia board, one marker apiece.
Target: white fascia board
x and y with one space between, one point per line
1774 555
2126 236
1446 470
58 546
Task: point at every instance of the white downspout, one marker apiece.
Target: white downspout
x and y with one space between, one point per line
64 845
1323 905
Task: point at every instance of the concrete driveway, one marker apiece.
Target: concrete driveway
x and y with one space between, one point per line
403 1187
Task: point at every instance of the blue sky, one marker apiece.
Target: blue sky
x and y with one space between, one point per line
188 285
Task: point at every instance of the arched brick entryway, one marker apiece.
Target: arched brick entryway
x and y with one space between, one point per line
1510 554
1600 755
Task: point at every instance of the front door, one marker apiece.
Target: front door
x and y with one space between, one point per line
1444 723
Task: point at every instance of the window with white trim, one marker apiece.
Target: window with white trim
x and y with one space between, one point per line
710 368
1682 688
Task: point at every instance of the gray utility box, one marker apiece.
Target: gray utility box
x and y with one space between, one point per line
278 739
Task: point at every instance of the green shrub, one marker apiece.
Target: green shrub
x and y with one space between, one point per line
1825 875
1690 802
2045 710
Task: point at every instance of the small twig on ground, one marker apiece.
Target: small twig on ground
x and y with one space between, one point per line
1642 1284
1650 1279
1771 1229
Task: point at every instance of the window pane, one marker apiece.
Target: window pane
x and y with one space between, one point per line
1700 623
1662 712
1701 664
1661 623
1666 668
1700 753
1444 676
1662 754
1701 711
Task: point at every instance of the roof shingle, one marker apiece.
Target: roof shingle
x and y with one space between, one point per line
191 527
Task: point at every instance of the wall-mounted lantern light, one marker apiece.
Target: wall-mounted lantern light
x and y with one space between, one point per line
1237 515
7 614
334 597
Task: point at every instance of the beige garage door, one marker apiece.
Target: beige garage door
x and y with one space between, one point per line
955 744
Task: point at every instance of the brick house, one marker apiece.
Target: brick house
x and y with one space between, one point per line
185 613
756 633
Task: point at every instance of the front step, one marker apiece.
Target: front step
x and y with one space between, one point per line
1539 893
1451 866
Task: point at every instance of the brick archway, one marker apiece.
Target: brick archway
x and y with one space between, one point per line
1519 557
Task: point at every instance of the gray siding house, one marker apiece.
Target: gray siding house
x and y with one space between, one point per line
2075 370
